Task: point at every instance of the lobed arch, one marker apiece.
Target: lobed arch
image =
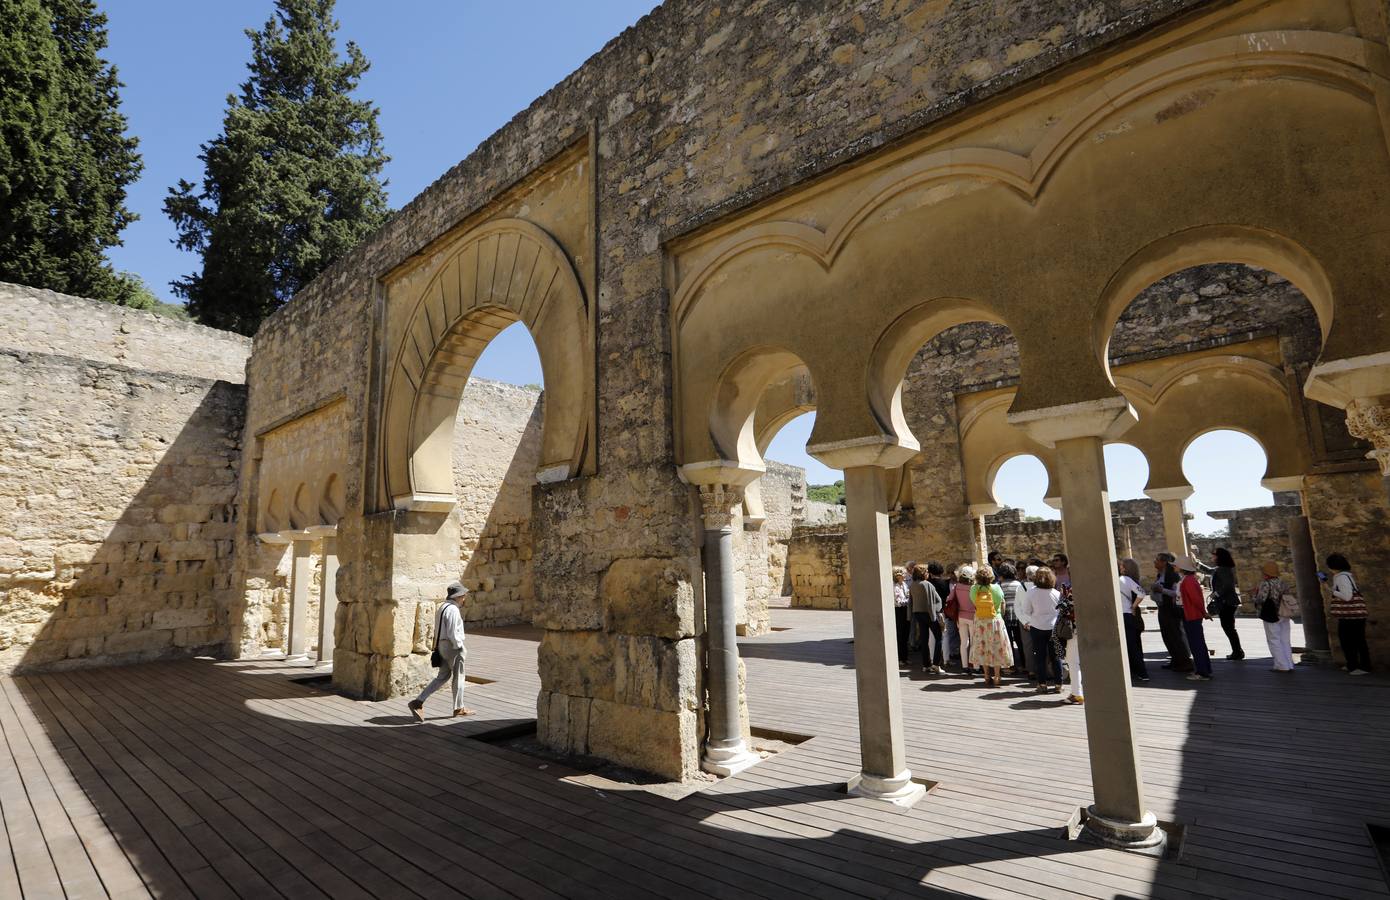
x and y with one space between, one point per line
900 342
1209 393
743 392
988 441
1050 489
1206 245
502 272
298 504
1024 230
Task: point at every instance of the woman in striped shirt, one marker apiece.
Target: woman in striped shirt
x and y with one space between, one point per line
1348 607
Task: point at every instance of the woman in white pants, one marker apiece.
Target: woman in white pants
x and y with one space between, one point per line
1277 605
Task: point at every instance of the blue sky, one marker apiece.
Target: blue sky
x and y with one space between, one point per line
446 74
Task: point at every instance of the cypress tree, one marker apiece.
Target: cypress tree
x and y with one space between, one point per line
65 160
291 183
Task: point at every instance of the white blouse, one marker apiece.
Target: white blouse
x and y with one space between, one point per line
1040 608
1130 590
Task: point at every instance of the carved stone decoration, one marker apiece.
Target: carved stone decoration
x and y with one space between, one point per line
1369 419
718 501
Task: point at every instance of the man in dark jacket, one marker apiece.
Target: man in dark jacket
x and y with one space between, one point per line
927 601
1164 592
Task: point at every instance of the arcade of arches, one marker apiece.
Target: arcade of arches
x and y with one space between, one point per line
695 276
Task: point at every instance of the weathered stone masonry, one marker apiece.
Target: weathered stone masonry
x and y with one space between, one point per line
119 450
699 108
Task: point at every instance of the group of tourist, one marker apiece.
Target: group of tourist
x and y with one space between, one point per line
1007 617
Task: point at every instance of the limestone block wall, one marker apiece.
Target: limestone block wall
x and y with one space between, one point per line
818 559
61 325
1254 536
496 451
118 474
1146 536
760 548
1008 533
697 110
1348 515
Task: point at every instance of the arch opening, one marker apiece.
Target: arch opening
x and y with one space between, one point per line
505 272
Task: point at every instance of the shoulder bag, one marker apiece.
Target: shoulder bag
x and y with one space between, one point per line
437 658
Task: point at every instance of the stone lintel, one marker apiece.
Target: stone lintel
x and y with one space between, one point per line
980 510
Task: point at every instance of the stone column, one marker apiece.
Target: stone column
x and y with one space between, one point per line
884 773
1127 523
725 750
978 531
1174 515
301 573
328 592
1316 648
1120 815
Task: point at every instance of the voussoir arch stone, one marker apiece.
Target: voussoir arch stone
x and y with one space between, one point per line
504 271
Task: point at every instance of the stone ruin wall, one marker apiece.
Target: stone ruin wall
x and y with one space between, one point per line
497 447
760 549
698 110
119 452
818 559
1008 532
1254 537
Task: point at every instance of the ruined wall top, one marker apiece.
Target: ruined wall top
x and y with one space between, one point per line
762 96
38 321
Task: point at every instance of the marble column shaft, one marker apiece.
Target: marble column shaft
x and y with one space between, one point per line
881 745
1305 574
1118 789
725 750
328 600
301 573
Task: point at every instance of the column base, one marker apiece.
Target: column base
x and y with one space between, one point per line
726 761
900 790
1144 836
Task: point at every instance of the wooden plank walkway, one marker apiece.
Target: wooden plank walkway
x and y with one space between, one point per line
204 779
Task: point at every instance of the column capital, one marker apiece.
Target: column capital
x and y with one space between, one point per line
1106 418
1368 418
717 502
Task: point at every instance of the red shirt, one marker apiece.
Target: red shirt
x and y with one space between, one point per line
1194 604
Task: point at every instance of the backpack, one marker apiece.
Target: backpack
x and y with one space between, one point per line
1065 629
1269 609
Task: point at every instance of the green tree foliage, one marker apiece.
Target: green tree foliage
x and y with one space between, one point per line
293 180
65 159
827 493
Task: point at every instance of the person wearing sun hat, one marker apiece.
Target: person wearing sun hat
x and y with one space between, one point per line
1194 610
448 644
1277 605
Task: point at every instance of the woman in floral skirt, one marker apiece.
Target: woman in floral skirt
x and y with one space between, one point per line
990 641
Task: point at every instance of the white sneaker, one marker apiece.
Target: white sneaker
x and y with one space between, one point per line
1358 672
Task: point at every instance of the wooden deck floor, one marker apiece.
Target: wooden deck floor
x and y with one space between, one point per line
212 779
